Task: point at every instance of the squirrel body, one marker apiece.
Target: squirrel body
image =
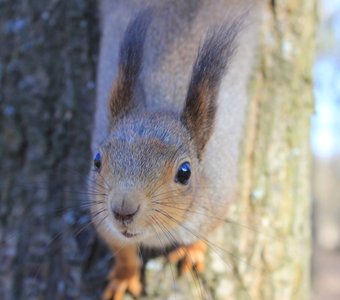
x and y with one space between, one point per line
167 137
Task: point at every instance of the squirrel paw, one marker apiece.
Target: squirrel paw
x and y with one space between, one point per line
189 257
119 284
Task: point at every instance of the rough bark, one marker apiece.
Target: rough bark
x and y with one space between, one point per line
275 193
48 61
46 98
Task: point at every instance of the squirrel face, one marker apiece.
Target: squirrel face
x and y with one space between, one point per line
148 168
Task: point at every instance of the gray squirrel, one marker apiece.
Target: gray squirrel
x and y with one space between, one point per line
167 134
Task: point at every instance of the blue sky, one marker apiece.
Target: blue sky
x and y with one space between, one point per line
326 121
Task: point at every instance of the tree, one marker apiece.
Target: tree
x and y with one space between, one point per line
47 76
275 193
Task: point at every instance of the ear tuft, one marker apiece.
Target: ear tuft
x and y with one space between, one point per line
129 66
212 61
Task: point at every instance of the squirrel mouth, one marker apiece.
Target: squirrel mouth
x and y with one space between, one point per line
128 234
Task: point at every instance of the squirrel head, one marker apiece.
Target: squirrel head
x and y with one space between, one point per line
149 166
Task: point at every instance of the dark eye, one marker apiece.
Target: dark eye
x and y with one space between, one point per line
97 162
183 173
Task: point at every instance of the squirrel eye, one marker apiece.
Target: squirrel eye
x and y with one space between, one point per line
97 162
183 173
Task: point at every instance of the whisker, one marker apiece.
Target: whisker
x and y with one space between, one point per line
225 220
194 274
102 177
82 175
163 248
211 246
92 221
59 235
156 188
197 235
45 186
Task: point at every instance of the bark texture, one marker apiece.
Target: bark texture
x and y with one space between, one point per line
47 71
274 204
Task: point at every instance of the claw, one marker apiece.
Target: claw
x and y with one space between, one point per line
189 257
117 286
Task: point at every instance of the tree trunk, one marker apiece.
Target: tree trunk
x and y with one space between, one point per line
274 245
47 74
47 71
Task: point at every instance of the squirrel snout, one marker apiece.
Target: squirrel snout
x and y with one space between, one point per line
124 213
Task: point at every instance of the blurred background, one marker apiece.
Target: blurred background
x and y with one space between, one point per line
326 155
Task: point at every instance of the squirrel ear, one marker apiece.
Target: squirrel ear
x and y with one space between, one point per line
129 65
213 59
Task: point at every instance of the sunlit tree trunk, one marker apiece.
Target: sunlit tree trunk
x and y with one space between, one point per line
275 182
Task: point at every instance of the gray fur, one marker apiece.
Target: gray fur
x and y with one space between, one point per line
171 46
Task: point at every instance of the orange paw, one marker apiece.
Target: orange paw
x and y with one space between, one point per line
189 257
118 285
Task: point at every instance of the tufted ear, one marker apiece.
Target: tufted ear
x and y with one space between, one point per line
213 59
129 66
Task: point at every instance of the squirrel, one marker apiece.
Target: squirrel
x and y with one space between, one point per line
167 133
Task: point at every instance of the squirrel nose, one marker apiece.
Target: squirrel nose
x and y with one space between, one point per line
124 213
